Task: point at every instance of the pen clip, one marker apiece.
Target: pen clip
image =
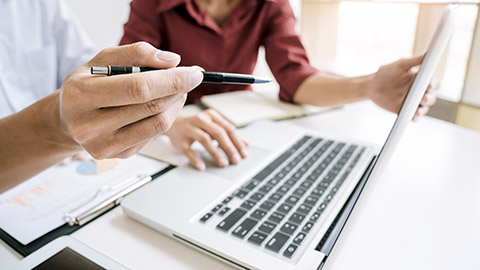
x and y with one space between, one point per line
106 204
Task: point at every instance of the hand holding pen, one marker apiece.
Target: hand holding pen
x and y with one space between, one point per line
116 116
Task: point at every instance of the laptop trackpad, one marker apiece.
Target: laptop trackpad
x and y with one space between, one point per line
233 172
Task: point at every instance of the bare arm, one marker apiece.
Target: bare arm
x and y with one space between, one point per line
30 141
329 90
107 116
387 88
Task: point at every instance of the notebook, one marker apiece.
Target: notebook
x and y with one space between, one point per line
245 107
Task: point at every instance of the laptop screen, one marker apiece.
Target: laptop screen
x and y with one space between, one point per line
407 111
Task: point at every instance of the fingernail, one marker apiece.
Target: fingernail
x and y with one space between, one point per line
200 166
196 77
244 152
236 158
165 56
223 162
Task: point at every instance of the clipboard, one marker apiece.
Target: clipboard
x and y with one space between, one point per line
85 218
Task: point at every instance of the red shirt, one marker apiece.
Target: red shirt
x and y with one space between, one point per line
182 27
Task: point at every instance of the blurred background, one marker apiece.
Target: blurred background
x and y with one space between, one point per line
350 38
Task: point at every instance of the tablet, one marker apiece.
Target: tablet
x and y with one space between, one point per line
67 253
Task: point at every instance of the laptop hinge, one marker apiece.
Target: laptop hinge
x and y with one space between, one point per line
328 240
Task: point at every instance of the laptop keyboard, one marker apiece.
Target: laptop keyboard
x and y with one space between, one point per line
280 205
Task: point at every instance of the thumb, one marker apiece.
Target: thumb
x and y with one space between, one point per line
140 54
408 63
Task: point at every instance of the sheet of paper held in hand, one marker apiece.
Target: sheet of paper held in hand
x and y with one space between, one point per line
40 204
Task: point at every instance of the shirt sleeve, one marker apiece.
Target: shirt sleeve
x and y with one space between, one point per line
143 24
284 51
73 45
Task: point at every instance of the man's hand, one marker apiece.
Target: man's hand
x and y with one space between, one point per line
391 83
206 127
116 116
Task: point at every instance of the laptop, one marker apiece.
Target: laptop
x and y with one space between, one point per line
286 204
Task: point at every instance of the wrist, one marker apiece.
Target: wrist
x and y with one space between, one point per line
366 86
51 128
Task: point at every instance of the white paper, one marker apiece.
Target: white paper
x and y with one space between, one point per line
38 205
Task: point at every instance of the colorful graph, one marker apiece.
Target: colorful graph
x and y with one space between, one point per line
94 167
26 197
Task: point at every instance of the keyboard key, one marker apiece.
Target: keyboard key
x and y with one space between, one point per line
257 196
267 205
299 192
290 250
280 175
257 237
322 207
299 238
275 197
277 241
317 192
267 227
258 214
306 184
304 209
240 193
292 200
216 208
206 217
308 226
244 228
274 181
283 189
284 208
288 228
276 217
296 218
229 198
291 182
310 200
248 204
233 218
224 211
251 185
329 197
265 189
315 216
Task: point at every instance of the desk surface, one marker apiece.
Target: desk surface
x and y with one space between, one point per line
423 214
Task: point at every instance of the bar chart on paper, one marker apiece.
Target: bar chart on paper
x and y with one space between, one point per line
39 205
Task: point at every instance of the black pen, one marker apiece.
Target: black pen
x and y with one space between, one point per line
208 77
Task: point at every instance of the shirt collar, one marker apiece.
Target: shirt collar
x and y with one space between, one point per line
163 6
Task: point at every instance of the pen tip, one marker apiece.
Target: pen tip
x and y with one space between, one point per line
261 80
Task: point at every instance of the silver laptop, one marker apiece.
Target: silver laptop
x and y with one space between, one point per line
286 204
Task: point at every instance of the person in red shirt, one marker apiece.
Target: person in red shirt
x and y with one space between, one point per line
225 35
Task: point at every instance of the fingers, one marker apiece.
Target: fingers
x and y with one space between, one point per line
115 118
142 87
139 54
420 112
204 138
194 160
428 99
219 134
135 133
231 131
408 63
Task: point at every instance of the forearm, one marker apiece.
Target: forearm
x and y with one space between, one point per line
327 90
31 141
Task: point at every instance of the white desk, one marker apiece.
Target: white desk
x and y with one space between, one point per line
424 214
